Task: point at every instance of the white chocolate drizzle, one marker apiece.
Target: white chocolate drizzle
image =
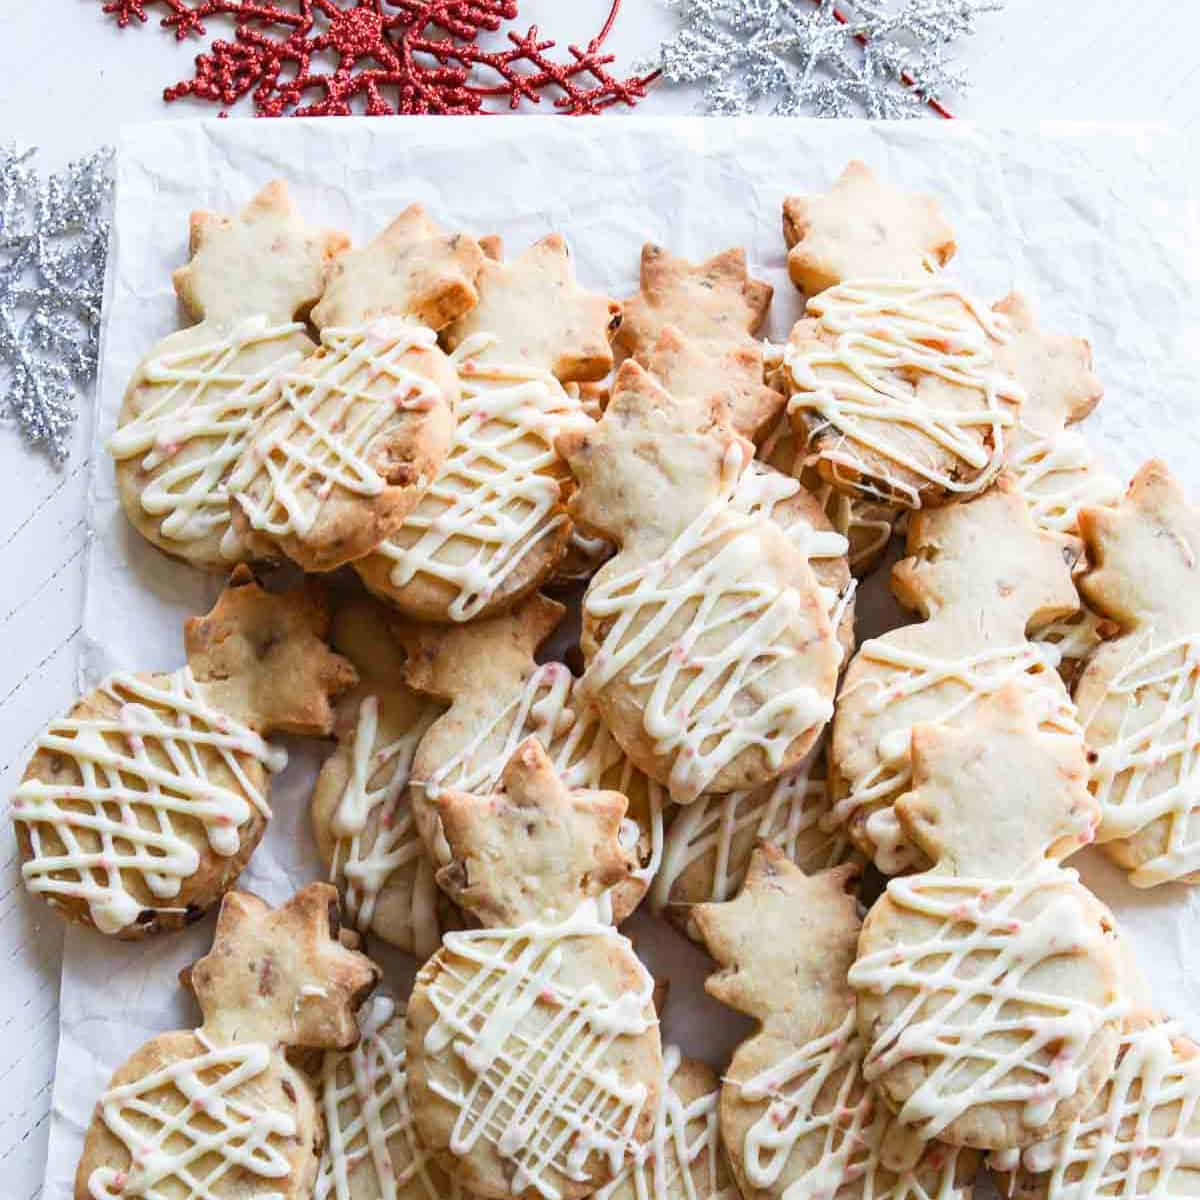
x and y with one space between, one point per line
127 814
817 1093
332 409
1140 1140
368 1120
882 335
978 1011
792 813
1159 732
736 638
682 1160
913 675
366 863
541 1055
1056 476
498 496
205 1118
203 394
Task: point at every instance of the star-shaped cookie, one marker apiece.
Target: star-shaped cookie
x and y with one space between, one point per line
539 315
225 278
413 268
863 227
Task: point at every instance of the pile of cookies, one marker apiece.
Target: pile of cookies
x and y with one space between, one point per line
469 458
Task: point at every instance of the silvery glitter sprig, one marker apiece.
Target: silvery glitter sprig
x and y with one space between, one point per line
53 244
873 58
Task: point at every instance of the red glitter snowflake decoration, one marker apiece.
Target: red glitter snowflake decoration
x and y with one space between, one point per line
310 58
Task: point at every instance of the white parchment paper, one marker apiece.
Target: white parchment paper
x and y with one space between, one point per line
1098 224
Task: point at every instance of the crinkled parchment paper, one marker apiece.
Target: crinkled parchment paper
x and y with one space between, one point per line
1097 223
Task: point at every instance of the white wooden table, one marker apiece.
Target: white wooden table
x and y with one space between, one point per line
1036 60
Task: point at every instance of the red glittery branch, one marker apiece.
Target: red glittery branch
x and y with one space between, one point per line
335 57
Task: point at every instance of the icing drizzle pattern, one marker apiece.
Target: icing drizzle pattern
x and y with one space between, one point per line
1159 732
498 495
203 395
913 675
885 333
970 1006
791 813
736 636
683 1157
124 816
368 1120
547 1100
194 1107
331 409
367 862
817 1093
1144 1127
1057 476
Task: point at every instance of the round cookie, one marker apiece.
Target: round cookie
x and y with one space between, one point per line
534 1058
140 808
499 695
362 815
199 394
220 1112
708 645
797 1116
989 987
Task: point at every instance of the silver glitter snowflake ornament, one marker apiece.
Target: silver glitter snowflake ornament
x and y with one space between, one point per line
873 58
53 245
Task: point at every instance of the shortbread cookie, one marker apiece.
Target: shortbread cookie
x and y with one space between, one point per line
371 1147
797 1116
684 1158
980 573
218 1112
863 227
692 326
539 316
198 395
494 524
1138 1138
866 525
413 267
140 808
499 695
989 986
534 1058
896 392
361 808
709 649
709 843
1137 696
359 432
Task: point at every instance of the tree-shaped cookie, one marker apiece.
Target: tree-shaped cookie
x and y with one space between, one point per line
218 1112
199 394
1137 696
362 427
692 326
372 1151
684 1158
989 986
539 316
139 809
361 809
494 524
709 843
981 574
863 227
797 1116
499 695
708 644
533 1050
1138 1138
